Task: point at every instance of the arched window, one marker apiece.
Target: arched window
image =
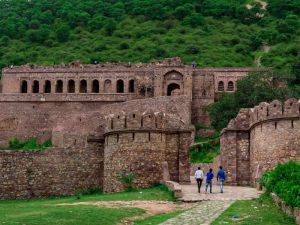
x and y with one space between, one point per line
71 86
230 86
131 86
107 86
95 86
221 86
35 87
47 87
120 86
24 86
172 87
83 86
59 86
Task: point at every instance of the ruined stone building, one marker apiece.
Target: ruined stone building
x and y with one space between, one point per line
104 120
259 138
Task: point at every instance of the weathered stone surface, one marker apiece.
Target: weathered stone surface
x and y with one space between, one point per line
269 134
143 112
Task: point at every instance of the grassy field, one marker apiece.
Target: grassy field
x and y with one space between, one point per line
260 211
47 211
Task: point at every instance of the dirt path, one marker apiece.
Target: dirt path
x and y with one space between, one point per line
151 207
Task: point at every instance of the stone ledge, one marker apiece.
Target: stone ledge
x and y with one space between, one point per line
175 187
291 211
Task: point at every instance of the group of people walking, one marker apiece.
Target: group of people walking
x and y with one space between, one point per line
199 176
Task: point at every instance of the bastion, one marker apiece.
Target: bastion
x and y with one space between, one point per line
260 138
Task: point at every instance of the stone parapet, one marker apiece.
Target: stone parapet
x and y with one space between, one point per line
275 111
259 138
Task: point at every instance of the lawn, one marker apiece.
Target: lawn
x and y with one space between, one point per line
260 211
47 211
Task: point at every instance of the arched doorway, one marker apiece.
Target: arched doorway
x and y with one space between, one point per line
47 87
24 86
120 86
71 86
172 80
95 86
35 87
59 86
131 86
172 87
83 86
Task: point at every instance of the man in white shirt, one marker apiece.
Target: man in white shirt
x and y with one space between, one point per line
199 177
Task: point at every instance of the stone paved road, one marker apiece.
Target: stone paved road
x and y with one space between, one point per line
210 206
203 214
190 193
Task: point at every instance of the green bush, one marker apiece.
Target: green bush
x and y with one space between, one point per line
284 180
30 144
127 179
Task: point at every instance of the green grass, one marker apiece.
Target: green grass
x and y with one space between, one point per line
46 211
260 211
157 219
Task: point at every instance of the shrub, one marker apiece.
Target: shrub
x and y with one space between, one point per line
30 144
284 180
127 179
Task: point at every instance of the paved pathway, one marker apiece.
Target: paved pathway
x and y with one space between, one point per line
203 214
210 206
190 193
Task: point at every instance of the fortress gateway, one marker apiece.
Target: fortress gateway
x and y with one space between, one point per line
104 120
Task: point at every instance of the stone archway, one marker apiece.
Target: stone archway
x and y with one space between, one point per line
172 87
172 80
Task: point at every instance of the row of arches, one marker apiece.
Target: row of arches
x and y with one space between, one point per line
71 86
230 86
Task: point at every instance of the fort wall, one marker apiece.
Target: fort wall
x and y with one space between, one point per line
52 172
141 135
259 138
24 120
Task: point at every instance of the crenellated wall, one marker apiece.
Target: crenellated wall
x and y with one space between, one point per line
141 143
259 138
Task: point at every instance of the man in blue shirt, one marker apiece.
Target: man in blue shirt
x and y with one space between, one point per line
221 176
209 177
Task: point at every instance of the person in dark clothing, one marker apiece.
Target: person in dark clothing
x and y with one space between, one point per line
209 177
221 177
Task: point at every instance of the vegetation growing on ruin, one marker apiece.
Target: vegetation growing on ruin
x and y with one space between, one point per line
205 149
30 144
252 90
284 180
260 211
212 33
47 211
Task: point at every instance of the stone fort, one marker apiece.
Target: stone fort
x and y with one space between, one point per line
110 119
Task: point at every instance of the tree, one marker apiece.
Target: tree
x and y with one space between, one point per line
63 33
110 26
251 90
183 11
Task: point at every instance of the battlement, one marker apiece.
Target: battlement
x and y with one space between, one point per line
275 110
146 121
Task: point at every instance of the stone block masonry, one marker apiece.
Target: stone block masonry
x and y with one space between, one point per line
104 119
259 138
53 172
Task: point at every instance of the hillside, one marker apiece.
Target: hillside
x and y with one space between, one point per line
213 33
